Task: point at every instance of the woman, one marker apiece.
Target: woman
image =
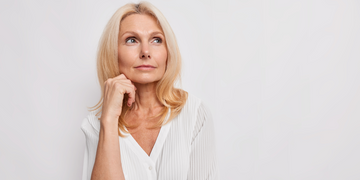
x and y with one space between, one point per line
145 128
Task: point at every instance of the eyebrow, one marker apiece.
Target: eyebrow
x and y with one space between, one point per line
152 33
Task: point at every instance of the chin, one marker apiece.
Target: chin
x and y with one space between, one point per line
145 80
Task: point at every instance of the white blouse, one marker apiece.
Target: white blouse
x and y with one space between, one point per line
183 150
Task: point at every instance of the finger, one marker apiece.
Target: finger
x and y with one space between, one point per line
120 76
126 82
131 93
123 77
130 83
127 85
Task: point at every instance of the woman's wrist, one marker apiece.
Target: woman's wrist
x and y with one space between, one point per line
109 123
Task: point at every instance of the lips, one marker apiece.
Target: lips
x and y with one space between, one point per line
145 66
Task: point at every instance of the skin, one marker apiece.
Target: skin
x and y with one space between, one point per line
142 41
137 46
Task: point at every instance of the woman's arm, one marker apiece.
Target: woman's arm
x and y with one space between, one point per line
108 160
102 151
203 161
107 164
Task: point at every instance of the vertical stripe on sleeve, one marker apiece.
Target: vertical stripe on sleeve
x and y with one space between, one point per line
203 165
92 139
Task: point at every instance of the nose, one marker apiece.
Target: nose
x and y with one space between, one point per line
145 53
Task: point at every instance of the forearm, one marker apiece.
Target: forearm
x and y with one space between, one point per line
107 164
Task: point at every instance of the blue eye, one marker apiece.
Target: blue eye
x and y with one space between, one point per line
159 39
130 38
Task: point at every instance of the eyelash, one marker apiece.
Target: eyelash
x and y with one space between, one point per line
160 40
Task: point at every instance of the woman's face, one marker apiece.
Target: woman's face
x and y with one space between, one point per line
141 42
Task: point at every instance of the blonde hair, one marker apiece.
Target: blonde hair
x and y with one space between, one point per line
107 63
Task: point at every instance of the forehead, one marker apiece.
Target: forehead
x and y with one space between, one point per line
139 22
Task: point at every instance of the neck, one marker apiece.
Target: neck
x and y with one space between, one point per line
145 98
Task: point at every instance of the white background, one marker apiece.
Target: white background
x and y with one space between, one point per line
281 78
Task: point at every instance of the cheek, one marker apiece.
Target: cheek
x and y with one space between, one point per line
125 57
162 57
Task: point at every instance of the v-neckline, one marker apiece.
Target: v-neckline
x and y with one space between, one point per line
160 140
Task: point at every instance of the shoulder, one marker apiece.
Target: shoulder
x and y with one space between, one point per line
195 109
192 103
91 123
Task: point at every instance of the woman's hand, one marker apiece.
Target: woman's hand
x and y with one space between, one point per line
114 90
107 163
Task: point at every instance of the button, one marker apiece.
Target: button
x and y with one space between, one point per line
150 167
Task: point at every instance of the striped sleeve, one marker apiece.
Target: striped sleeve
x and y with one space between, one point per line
91 142
203 160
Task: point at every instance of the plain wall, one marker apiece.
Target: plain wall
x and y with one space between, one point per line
281 78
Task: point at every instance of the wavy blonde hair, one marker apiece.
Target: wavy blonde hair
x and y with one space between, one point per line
108 67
